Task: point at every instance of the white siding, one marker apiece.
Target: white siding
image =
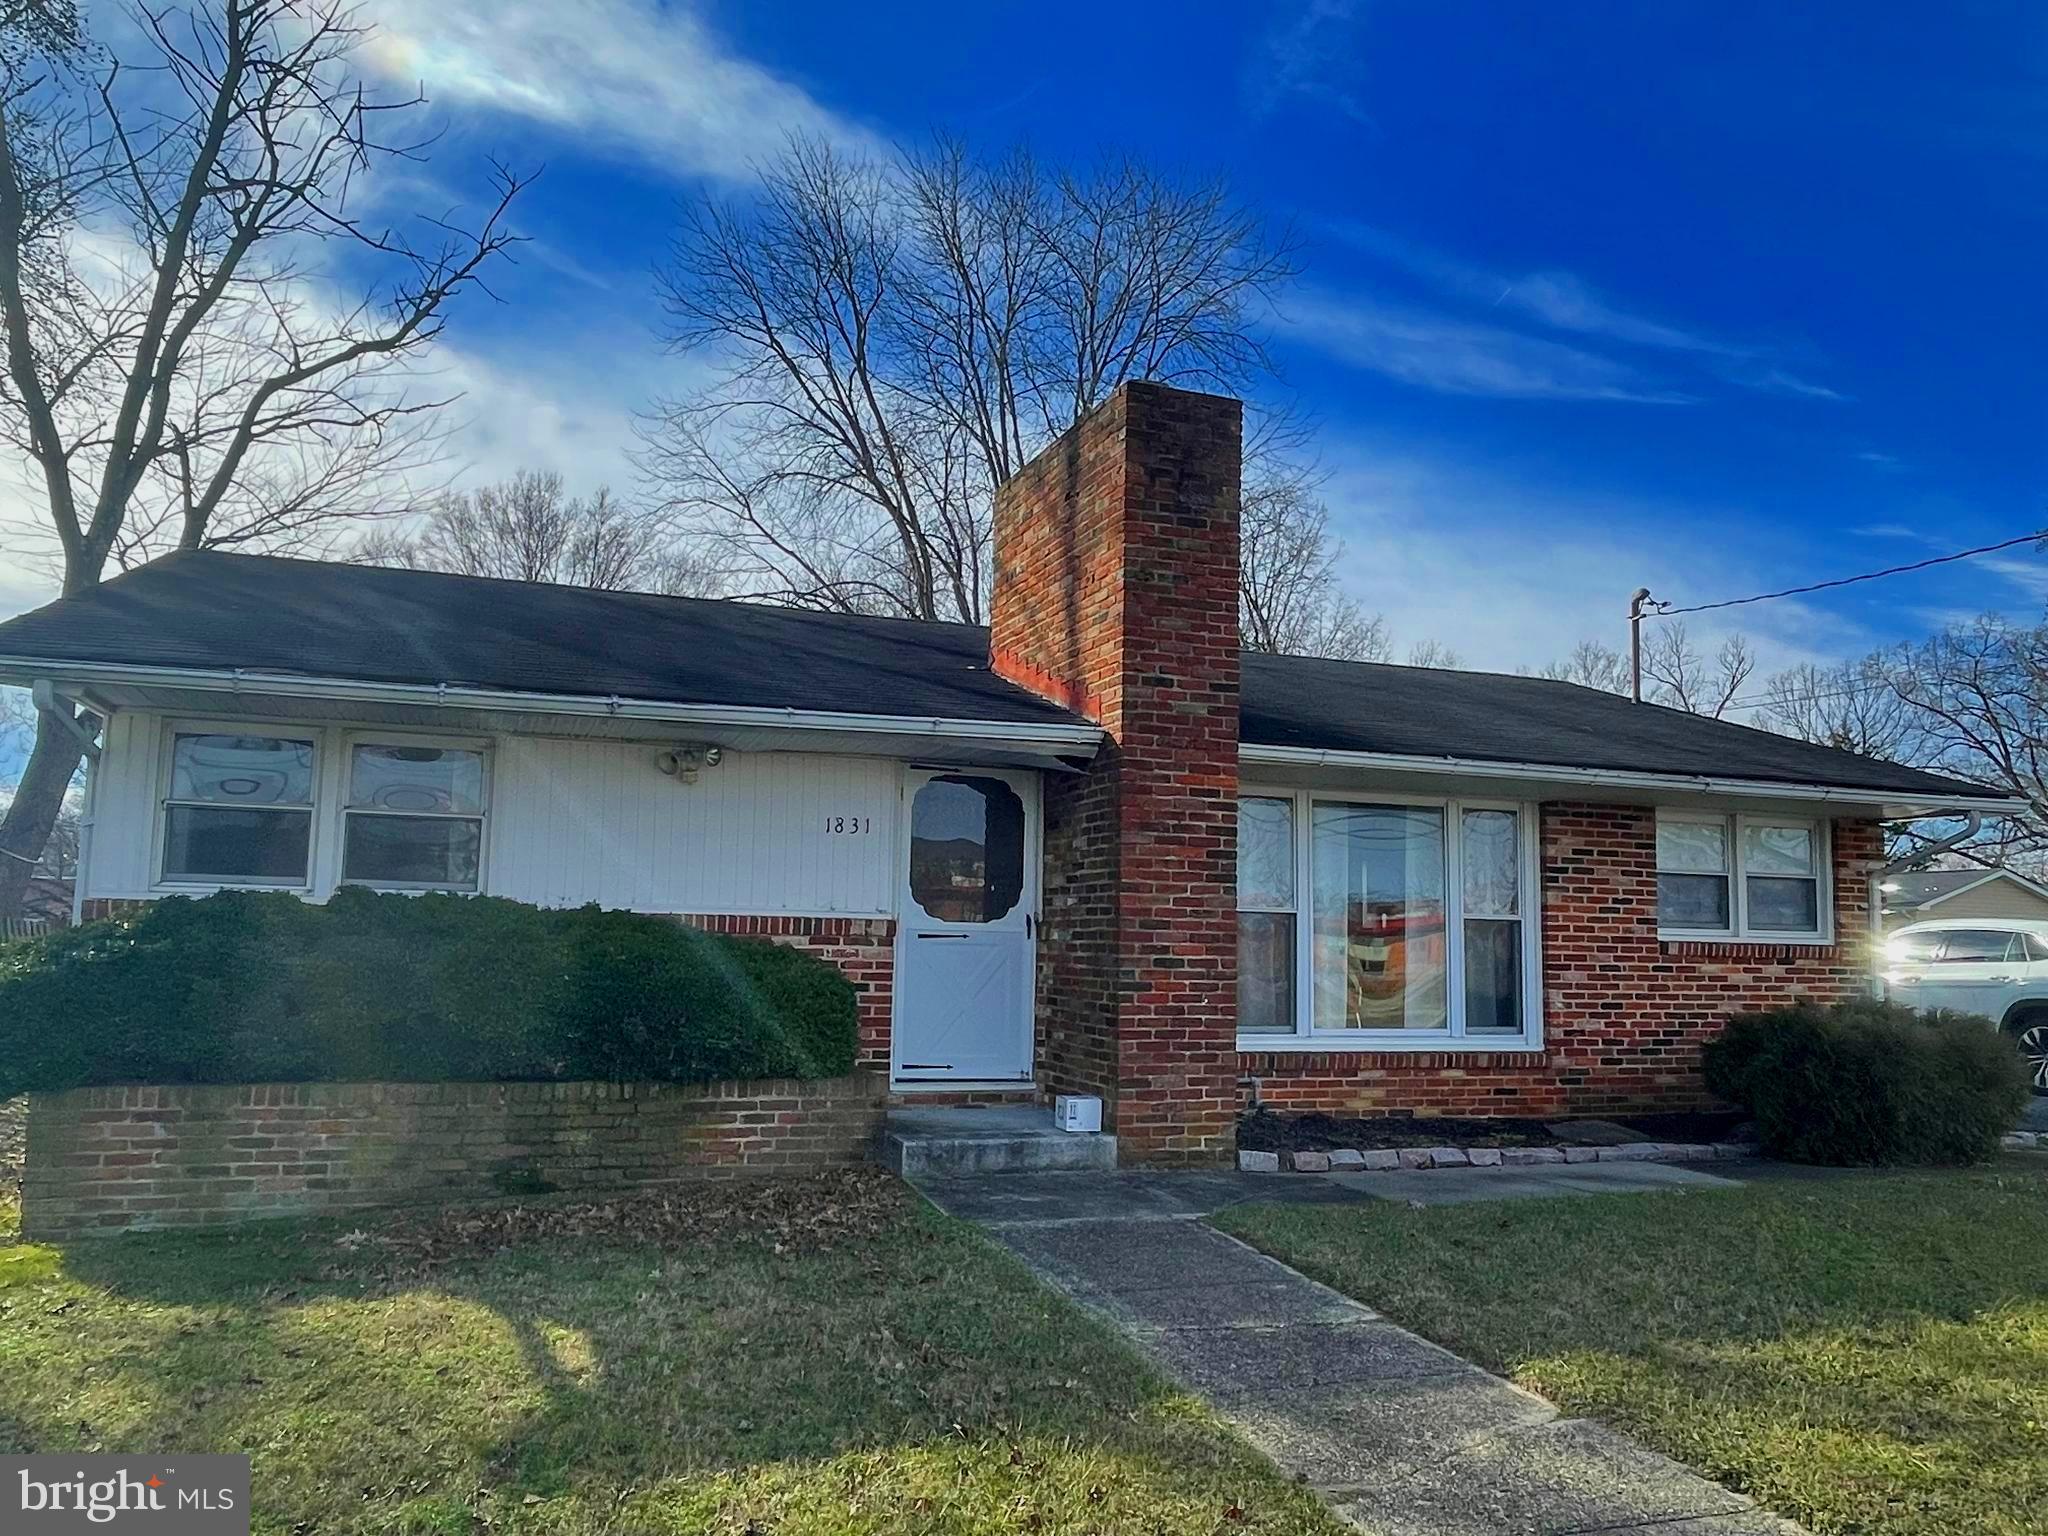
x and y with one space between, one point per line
572 822
581 821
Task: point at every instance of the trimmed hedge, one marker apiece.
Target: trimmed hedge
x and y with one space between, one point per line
262 987
1867 1083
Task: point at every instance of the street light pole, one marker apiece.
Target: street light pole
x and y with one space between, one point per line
1636 605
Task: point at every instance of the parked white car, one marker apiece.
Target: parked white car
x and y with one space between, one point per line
1994 966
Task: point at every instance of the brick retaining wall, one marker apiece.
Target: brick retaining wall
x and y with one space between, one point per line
104 1160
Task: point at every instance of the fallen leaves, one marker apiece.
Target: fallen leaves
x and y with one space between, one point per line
796 1215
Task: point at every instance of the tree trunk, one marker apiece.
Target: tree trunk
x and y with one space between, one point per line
25 831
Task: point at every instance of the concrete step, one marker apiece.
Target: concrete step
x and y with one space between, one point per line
945 1143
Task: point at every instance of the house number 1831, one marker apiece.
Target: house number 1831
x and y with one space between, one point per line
849 826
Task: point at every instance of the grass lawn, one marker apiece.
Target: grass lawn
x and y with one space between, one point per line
1864 1354
823 1356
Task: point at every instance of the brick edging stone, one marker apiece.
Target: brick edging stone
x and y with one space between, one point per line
1399 1159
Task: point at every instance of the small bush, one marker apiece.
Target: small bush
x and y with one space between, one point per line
262 987
1868 1083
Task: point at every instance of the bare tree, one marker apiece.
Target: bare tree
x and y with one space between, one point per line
1289 599
1433 653
1978 693
528 528
897 340
1679 676
178 229
1592 665
1851 706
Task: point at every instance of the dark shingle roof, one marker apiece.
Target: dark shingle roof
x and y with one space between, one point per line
214 610
317 619
1494 717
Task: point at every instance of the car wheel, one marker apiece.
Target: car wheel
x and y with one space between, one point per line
2031 1035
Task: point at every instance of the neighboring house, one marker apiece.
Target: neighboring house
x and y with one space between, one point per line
1931 893
1096 848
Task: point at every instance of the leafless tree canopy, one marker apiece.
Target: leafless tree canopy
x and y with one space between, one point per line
893 341
1676 673
1290 601
529 529
183 365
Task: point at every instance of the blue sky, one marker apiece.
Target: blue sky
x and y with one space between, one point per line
1713 297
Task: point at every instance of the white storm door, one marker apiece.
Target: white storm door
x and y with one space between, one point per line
969 893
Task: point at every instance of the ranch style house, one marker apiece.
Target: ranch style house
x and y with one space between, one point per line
1095 848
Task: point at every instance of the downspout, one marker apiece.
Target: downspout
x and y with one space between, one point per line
1879 869
56 707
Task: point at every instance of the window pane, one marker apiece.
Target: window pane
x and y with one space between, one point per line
1786 906
1265 973
1492 855
966 848
1692 847
427 780
1379 918
205 842
1913 948
413 850
242 770
1784 850
1493 978
1973 946
1265 854
1692 901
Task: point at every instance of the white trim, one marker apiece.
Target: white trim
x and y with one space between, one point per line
374 736
1451 1039
453 696
1605 778
1740 930
169 729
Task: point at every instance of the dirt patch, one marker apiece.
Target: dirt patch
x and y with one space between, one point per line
1265 1131
811 1214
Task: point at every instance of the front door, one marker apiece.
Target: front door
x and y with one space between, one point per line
964 942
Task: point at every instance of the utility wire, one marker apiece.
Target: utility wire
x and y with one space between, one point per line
1849 581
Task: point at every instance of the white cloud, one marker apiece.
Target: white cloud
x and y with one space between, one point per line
1461 357
651 79
1561 301
1511 575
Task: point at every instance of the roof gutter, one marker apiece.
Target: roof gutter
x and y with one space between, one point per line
1079 738
1605 778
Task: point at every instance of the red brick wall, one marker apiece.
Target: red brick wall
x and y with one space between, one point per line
1625 1013
105 1160
863 948
1116 594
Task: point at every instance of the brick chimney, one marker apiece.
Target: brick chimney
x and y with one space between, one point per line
1116 590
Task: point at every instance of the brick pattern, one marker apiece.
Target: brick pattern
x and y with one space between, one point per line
1625 1013
863 948
106 1160
1116 591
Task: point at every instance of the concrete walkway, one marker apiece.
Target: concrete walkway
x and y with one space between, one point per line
1401 1437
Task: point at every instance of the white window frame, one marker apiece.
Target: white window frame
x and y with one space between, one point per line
327 846
1734 825
167 751
1452 1038
346 789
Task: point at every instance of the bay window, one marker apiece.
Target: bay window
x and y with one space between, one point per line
1742 876
1414 932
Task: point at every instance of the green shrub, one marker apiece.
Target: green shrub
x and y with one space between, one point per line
262 987
1869 1082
